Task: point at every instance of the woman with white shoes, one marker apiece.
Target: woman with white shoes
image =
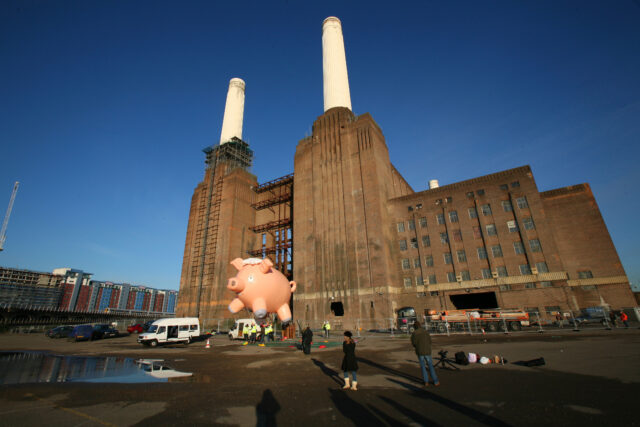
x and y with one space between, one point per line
349 362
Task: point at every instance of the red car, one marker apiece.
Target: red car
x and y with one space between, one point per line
137 328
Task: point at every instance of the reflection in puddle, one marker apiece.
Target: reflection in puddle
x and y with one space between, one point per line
40 367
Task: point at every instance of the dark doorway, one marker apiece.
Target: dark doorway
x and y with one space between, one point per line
337 308
479 300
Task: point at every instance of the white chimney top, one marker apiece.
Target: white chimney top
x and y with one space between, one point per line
334 66
433 184
233 111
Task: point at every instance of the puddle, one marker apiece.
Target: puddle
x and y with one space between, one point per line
40 367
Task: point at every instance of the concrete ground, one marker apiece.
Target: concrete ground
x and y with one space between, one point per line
589 379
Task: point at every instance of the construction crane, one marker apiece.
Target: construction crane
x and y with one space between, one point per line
5 223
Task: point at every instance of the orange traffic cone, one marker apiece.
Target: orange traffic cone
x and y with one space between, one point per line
208 344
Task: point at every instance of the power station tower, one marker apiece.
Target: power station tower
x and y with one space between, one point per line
5 223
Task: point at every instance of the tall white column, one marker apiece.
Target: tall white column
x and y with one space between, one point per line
233 111
334 65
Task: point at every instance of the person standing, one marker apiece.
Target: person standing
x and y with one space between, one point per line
245 332
307 336
349 362
421 341
612 318
254 331
624 318
327 328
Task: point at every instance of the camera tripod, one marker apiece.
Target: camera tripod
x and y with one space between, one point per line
444 362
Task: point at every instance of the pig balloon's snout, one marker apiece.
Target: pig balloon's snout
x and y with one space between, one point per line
235 285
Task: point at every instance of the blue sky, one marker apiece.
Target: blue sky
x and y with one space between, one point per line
106 106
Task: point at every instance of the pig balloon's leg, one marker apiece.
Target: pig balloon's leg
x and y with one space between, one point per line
259 307
284 313
236 305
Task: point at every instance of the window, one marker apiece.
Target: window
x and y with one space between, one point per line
491 230
414 242
462 256
542 267
535 245
447 258
426 241
512 226
434 293
440 218
522 202
473 213
504 187
416 263
465 275
407 282
502 271
589 287
457 236
406 264
530 285
451 277
410 208
470 195
183 328
506 206
412 224
485 209
505 287
482 253
515 184
419 206
477 234
423 222
585 274
449 200
419 281
496 251
444 238
486 273
552 309
432 279
546 285
400 226
193 327
525 269
453 216
518 247
528 224
480 192
428 260
403 245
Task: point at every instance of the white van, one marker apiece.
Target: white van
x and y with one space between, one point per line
179 329
236 332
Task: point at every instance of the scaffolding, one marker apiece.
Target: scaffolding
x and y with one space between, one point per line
235 153
277 234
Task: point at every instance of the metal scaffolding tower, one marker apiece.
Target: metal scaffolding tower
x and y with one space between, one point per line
5 223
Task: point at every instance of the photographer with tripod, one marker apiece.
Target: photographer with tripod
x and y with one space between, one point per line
421 341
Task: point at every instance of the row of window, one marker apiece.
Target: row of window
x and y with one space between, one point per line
501 271
472 212
512 226
496 251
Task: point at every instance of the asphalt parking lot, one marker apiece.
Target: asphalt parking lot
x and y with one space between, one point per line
590 378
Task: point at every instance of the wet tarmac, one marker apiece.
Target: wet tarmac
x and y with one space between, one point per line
26 367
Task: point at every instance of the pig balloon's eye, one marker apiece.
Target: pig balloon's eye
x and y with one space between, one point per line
250 278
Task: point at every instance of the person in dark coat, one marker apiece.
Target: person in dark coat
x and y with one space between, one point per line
421 341
349 362
307 336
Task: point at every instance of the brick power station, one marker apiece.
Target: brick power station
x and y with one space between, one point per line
360 243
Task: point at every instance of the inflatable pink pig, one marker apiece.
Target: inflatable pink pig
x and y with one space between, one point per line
260 288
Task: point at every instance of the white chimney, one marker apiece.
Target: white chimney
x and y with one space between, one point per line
233 111
334 66
433 184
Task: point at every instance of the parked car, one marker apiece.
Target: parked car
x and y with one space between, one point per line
104 331
135 329
82 333
59 332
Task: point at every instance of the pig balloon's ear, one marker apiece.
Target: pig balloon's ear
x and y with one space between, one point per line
265 265
237 263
